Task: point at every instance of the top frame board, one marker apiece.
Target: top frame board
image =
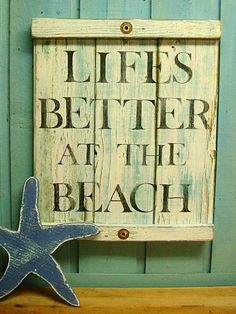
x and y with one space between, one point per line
78 28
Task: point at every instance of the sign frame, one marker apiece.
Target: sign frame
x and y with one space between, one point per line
135 29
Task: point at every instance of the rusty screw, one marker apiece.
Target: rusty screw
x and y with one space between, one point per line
123 234
126 27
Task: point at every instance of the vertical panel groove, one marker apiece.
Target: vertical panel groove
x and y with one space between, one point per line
150 9
220 6
5 191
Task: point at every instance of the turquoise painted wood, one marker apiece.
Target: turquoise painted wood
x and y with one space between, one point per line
21 99
118 264
128 9
5 201
224 246
184 9
88 11
147 280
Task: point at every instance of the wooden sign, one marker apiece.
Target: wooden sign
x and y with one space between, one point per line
125 126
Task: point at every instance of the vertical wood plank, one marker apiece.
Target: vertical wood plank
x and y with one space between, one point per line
92 9
111 258
63 148
21 90
5 201
193 143
185 9
177 257
124 257
90 252
123 9
197 256
112 167
223 252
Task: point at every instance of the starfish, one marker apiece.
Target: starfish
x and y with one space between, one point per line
30 247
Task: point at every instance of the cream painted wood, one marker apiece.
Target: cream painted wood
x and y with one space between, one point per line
186 76
195 153
54 162
154 233
79 28
112 166
157 233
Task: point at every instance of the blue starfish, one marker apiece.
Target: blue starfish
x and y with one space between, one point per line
30 247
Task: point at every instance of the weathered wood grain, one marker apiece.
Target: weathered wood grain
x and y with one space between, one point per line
63 149
144 233
94 98
153 233
53 28
217 300
118 163
194 137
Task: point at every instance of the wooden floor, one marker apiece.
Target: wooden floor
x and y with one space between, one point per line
217 300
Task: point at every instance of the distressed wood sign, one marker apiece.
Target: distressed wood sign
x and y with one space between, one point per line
125 126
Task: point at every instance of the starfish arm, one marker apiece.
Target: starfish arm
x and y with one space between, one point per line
12 277
6 236
50 271
29 212
61 233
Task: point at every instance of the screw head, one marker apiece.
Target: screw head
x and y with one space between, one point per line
126 27
123 234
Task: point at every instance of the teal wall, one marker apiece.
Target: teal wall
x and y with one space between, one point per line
119 264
